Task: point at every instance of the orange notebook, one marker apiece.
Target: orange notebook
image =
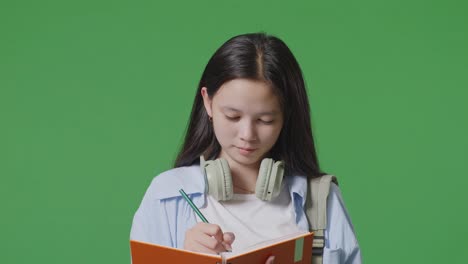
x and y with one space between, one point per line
292 249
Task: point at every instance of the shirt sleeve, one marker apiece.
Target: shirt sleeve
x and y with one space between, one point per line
150 222
141 226
341 245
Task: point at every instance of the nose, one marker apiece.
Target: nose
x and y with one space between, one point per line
248 131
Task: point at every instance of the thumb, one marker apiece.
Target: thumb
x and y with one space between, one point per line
270 260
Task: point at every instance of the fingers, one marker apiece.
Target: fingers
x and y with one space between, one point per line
228 239
211 230
212 238
270 260
210 243
208 238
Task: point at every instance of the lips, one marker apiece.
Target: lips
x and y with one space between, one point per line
246 149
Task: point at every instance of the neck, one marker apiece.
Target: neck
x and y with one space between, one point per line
244 177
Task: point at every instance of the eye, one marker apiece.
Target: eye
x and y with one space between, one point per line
266 122
232 118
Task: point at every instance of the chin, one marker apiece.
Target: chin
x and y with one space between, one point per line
245 160
233 153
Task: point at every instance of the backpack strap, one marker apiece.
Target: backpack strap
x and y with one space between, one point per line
316 211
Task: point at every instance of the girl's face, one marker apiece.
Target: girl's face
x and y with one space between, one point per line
247 120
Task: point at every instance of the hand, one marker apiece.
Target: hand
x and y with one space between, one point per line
270 260
208 238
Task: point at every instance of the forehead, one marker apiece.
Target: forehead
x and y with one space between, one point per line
246 94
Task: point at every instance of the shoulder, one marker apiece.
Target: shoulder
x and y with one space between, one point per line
168 183
155 220
340 231
338 216
335 197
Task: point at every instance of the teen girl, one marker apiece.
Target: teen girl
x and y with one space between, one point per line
251 105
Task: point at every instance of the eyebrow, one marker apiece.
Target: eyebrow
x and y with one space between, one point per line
228 108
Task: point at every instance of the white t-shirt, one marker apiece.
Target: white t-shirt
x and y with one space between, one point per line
250 219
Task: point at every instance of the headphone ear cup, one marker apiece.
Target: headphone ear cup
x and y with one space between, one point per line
270 177
261 187
218 176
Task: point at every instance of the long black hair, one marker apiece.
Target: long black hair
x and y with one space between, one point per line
261 57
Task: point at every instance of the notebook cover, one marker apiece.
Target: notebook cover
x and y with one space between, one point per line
294 251
146 253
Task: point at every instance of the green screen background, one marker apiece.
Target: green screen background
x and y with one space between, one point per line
95 97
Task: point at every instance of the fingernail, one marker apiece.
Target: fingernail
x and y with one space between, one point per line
227 247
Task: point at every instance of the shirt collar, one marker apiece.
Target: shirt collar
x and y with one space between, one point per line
193 181
189 178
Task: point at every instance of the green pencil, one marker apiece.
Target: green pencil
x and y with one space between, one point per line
190 202
193 206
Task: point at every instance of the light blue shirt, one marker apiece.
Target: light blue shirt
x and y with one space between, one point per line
164 216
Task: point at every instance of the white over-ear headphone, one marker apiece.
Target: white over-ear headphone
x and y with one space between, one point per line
219 179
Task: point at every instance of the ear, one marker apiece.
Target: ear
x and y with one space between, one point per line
206 101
